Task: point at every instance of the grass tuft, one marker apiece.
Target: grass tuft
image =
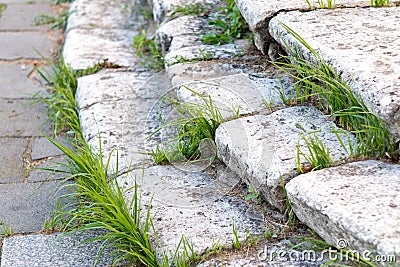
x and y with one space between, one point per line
318 155
321 4
230 25
190 9
197 123
57 22
320 84
148 51
380 3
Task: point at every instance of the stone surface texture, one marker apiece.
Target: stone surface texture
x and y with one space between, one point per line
22 118
116 46
53 250
29 206
258 13
234 95
262 149
175 34
202 51
364 50
163 7
87 14
120 112
17 45
358 202
193 204
21 17
15 81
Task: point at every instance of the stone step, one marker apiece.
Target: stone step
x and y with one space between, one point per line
363 48
258 13
354 206
54 250
234 95
196 203
108 30
262 149
161 8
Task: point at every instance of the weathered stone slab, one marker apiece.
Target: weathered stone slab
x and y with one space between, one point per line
193 204
258 13
86 14
15 82
85 47
53 250
11 154
181 32
363 48
26 206
202 52
163 7
16 45
358 202
262 149
121 111
22 118
186 72
235 94
21 17
43 148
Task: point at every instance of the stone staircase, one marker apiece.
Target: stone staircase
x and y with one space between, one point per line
355 206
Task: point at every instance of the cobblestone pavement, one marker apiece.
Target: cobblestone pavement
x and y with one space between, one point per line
26 194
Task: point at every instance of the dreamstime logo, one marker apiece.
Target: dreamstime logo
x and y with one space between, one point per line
340 253
174 109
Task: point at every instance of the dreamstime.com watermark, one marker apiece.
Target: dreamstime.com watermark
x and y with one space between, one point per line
331 254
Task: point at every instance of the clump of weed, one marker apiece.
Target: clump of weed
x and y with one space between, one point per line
2 8
320 84
197 123
230 23
57 22
380 3
321 4
318 155
147 50
190 9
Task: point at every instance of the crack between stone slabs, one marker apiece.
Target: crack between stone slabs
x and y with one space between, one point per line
27 160
20 136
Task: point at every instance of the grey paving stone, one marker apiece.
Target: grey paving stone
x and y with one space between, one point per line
363 48
85 47
258 13
38 175
53 250
194 204
43 148
87 14
356 206
16 45
54 163
21 17
26 206
23 118
15 82
11 152
262 149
